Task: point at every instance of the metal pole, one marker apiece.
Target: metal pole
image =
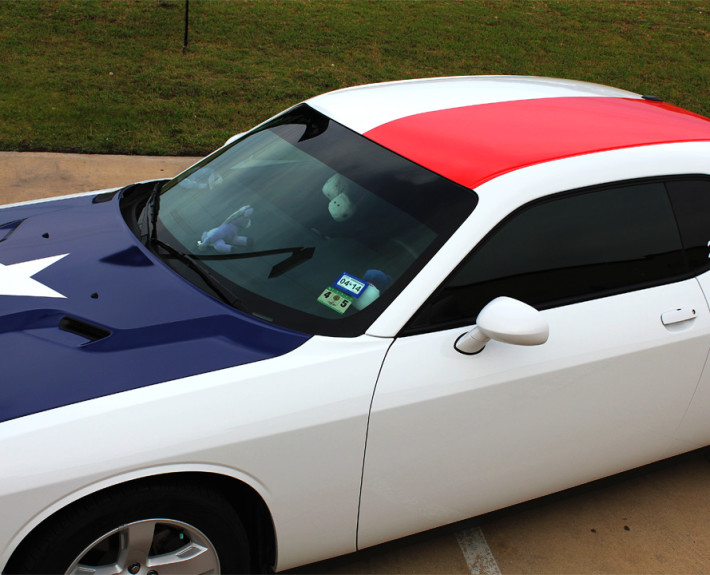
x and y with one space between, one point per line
184 44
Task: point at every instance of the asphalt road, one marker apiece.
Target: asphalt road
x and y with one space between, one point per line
650 522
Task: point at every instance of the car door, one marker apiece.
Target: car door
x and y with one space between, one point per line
453 436
691 204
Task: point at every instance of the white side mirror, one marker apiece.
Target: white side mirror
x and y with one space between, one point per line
507 320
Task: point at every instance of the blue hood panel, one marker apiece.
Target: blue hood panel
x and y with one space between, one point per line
126 320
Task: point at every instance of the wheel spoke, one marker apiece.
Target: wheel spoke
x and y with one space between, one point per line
178 548
192 558
136 543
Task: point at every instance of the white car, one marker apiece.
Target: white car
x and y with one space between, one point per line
389 308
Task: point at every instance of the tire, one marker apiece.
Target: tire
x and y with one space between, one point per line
156 527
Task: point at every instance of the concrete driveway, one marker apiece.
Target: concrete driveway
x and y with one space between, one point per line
653 521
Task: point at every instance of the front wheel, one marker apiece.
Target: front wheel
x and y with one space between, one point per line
159 528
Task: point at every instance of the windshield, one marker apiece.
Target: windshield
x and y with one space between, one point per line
312 226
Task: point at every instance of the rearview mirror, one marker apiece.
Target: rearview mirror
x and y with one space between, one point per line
507 320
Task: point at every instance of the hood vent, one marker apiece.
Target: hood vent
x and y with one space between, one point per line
105 197
83 329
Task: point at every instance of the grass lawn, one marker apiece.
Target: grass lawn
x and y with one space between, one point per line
111 76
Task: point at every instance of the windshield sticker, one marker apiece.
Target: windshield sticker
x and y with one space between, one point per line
350 285
335 299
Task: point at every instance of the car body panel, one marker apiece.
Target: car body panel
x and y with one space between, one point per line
307 410
119 317
54 199
362 108
476 433
695 427
513 135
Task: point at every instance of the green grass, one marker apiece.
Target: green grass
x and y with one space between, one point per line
111 77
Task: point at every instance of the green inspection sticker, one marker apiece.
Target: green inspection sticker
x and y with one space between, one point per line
335 299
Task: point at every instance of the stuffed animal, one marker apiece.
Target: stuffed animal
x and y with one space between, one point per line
340 207
377 281
378 278
228 235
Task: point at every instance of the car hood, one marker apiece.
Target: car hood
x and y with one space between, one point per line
86 311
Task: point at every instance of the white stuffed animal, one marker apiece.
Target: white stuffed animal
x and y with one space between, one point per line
340 207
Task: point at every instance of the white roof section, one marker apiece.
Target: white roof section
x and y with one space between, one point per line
363 108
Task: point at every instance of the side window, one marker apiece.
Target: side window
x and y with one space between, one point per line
691 203
569 248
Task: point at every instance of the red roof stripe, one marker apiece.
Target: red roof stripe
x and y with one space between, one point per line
474 144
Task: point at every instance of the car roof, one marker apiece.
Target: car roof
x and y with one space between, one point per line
474 128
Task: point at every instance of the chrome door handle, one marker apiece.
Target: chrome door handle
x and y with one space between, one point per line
678 315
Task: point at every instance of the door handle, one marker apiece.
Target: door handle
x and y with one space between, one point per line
678 315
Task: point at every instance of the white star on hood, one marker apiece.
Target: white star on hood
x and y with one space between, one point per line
16 279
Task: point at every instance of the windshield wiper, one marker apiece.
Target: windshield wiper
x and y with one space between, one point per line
212 282
153 209
149 217
298 256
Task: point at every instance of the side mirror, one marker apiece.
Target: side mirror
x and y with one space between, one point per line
508 320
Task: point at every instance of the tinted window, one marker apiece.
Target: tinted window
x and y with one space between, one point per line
691 203
573 247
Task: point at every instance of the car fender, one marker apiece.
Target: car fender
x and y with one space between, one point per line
308 409
127 477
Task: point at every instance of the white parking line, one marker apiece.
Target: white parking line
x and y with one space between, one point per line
478 555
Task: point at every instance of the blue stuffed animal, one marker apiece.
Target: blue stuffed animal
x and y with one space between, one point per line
229 234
